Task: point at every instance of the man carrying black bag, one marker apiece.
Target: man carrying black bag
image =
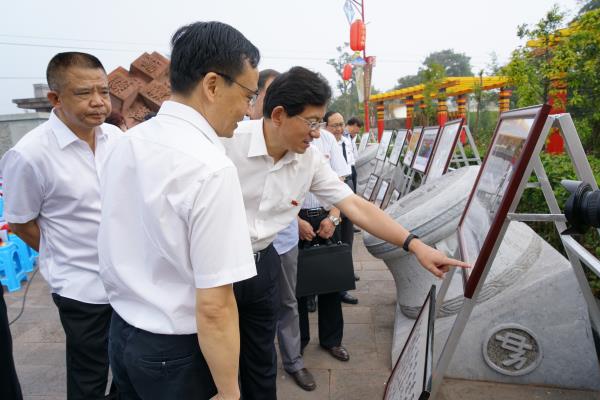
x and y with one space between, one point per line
320 226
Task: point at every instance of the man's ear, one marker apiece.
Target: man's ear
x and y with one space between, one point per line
277 115
208 86
54 98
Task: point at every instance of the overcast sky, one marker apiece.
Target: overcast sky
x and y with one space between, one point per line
399 33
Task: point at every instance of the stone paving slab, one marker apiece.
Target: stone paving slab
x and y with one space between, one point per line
39 349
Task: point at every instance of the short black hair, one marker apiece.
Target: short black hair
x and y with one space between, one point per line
355 121
329 114
294 90
63 61
204 47
264 76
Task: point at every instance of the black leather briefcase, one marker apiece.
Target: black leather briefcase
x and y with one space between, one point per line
325 268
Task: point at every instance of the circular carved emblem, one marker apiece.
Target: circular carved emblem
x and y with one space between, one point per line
512 349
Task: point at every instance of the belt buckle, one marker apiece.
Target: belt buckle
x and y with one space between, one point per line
314 212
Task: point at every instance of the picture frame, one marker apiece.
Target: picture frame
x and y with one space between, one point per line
394 197
370 187
413 143
364 140
497 189
444 149
399 142
411 377
381 193
386 138
425 148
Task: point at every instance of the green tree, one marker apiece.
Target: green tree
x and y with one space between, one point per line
454 64
579 56
530 69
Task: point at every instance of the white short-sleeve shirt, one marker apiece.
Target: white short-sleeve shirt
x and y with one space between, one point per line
51 176
273 192
328 146
173 220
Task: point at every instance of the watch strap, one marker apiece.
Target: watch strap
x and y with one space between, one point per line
409 238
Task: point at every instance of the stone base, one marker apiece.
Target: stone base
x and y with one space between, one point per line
544 299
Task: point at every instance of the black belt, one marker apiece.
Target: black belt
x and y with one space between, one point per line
312 212
261 253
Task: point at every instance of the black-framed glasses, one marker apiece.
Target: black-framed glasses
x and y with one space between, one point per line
312 125
338 125
252 100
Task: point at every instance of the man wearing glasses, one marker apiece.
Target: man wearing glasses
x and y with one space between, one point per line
173 236
277 167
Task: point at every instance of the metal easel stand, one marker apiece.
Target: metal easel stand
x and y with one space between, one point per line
461 159
575 252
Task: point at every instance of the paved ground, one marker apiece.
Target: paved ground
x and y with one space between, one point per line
39 349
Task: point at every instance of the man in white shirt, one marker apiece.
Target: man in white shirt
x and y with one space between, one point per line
353 127
277 167
52 201
173 236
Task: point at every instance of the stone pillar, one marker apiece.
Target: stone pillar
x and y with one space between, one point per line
504 99
410 111
557 98
380 107
442 107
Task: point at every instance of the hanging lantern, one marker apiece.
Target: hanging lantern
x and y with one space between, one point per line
358 35
347 72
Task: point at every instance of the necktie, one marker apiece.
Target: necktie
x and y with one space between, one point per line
344 151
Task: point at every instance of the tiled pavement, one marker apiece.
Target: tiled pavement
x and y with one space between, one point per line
39 346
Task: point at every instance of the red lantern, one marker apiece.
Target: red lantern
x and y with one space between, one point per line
347 72
358 35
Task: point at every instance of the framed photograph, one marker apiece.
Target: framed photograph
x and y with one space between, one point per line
364 140
444 149
425 148
412 374
386 137
391 199
501 179
398 146
370 186
412 146
381 193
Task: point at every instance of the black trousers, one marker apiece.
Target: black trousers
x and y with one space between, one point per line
152 366
258 302
331 319
86 329
9 382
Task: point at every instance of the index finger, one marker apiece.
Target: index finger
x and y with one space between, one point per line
457 263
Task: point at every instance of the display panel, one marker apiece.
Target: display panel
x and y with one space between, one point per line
398 146
386 137
370 186
411 377
412 146
383 189
514 139
425 148
444 149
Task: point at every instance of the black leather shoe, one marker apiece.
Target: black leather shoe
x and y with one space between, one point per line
311 304
349 299
356 278
340 353
304 379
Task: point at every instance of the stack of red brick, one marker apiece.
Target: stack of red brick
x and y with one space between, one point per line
142 89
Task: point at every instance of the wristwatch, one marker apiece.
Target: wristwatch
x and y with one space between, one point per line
335 220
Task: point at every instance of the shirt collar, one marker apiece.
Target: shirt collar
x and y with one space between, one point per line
64 135
186 113
258 145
